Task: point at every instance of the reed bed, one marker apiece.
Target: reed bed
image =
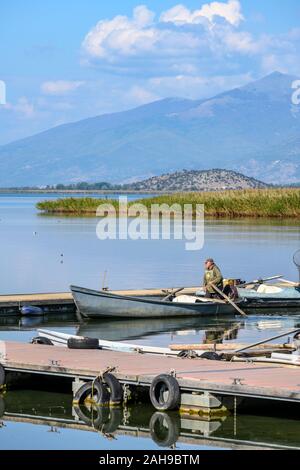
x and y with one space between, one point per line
257 203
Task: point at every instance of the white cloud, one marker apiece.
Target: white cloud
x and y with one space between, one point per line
230 11
122 35
121 42
22 107
60 87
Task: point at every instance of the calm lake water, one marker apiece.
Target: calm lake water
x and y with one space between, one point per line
44 254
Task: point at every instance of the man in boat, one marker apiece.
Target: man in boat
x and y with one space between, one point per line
212 275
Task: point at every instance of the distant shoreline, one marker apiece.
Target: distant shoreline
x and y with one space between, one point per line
81 191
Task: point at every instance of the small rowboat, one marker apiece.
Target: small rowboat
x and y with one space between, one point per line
270 296
98 304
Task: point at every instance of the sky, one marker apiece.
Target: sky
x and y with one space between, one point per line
66 60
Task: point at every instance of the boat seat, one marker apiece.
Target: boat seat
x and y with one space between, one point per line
264 289
186 299
191 299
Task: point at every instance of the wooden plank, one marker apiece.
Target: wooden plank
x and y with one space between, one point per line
224 347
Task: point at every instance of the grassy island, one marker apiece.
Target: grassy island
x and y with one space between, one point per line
282 203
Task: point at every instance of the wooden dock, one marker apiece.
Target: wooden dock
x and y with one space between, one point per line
197 378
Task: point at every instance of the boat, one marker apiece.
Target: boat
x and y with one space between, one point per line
264 295
98 304
31 310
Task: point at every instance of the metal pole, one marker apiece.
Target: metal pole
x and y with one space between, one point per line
267 340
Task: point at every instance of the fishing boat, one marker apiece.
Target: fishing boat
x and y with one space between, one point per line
263 295
98 304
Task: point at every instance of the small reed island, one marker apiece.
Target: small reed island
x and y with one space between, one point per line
256 203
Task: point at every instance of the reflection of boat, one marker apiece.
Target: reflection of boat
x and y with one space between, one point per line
270 296
118 329
95 304
28 323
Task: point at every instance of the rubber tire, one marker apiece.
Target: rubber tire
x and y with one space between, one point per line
115 388
41 340
2 407
83 343
211 356
161 435
188 354
102 394
2 376
160 384
102 415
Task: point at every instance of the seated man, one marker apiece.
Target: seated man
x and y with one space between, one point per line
212 275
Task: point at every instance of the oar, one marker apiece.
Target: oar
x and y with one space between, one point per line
261 281
267 340
228 299
173 293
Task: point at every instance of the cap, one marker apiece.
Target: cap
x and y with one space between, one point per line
209 260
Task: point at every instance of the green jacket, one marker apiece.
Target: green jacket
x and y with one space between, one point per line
213 275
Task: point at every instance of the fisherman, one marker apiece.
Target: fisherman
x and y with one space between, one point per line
213 275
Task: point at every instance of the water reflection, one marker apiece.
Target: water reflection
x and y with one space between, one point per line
55 411
155 332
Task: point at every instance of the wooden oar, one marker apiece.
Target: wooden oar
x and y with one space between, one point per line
173 293
261 281
228 299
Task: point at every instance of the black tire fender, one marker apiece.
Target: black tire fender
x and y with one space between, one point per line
2 376
115 388
211 356
83 343
164 429
42 340
165 393
95 390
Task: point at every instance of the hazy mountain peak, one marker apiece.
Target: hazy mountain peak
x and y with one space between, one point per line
275 84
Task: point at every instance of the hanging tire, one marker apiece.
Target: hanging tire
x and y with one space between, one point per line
95 391
2 376
165 393
83 343
164 429
211 356
41 340
115 389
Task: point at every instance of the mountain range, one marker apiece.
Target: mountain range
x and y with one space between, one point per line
254 129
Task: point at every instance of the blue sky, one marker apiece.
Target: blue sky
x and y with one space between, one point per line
67 60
